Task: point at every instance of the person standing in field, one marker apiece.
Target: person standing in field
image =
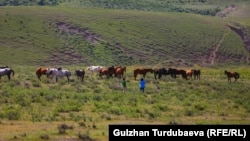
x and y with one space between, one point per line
124 85
142 85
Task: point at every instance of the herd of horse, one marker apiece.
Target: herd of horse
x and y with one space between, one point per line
80 73
173 72
115 71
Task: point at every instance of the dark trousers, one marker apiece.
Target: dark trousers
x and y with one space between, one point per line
142 89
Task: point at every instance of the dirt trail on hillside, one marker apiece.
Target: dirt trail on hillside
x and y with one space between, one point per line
238 29
212 55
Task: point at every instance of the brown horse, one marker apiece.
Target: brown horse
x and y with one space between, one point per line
189 74
119 71
235 75
142 71
40 72
107 71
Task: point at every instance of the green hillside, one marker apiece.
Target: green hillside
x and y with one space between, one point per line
59 35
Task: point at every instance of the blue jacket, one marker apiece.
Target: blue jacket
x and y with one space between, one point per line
142 84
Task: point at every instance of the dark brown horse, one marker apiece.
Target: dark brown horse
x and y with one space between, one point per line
196 73
119 71
107 71
40 72
160 72
235 75
174 72
142 71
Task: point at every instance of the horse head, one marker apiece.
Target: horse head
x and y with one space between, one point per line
49 72
225 72
151 70
124 68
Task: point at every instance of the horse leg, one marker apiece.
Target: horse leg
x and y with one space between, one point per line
82 77
39 77
159 76
8 76
100 75
67 78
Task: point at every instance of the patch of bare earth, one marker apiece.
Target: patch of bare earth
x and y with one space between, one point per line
71 29
225 12
65 56
69 55
93 38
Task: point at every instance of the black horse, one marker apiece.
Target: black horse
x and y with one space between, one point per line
174 72
197 74
80 74
160 72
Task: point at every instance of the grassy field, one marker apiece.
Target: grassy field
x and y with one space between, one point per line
32 110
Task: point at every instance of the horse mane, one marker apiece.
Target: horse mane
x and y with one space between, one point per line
3 67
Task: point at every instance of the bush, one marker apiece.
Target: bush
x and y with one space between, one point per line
12 112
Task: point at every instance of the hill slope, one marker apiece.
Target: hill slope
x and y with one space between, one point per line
60 35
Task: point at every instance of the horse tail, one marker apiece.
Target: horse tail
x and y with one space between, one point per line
237 75
13 73
38 71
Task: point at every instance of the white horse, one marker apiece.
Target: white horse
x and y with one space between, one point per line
94 69
6 71
58 72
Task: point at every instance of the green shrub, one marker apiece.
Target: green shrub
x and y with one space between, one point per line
12 112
